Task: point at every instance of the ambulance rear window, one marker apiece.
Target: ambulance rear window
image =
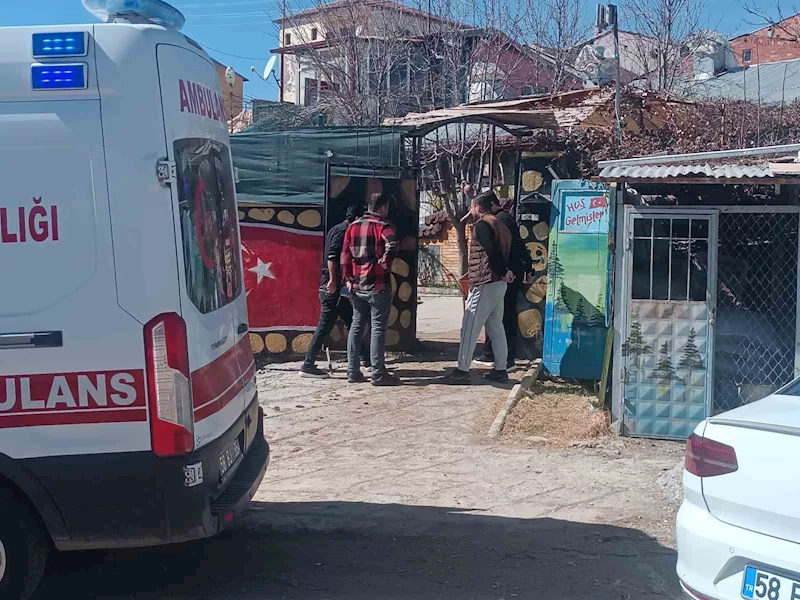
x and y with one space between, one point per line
211 254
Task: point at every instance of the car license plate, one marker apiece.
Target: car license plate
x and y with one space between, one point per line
229 458
759 584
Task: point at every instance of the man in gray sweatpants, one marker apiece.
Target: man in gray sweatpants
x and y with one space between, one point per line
489 249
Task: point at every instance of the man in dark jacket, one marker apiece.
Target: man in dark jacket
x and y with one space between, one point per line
333 304
489 250
521 266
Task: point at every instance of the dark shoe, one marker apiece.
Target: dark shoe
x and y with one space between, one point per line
313 372
358 378
457 377
484 360
386 381
496 376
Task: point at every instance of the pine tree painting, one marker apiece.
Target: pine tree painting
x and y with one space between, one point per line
664 369
556 270
580 312
635 346
691 359
561 298
599 316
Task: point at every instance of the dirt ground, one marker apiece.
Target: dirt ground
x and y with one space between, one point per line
378 493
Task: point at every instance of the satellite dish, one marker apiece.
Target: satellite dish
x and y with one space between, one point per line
136 11
230 76
270 66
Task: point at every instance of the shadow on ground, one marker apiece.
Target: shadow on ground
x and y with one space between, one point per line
357 551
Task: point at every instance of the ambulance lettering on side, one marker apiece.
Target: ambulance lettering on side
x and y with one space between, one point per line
72 398
37 223
199 100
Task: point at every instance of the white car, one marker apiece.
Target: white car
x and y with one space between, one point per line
738 528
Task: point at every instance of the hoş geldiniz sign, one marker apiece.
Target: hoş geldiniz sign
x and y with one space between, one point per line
585 212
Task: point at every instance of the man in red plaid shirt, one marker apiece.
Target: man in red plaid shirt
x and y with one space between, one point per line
370 246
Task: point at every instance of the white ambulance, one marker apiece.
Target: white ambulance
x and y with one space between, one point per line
128 408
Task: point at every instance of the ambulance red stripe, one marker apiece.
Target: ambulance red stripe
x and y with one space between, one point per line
214 379
78 417
226 397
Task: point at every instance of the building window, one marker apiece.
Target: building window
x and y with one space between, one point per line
747 55
313 34
287 39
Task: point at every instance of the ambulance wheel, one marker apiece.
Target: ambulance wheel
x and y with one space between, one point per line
23 549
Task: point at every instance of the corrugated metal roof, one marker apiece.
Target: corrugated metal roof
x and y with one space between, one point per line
772 82
716 171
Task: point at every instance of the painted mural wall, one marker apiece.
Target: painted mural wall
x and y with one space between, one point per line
534 230
282 253
576 322
282 250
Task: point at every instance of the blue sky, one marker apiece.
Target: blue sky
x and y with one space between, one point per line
244 28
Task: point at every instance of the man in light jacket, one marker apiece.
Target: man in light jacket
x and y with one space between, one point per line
489 250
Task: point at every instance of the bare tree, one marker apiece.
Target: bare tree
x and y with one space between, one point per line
555 29
664 28
372 59
354 59
774 15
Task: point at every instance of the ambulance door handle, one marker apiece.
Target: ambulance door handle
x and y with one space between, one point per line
37 339
242 329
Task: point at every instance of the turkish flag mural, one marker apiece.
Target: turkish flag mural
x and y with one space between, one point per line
281 276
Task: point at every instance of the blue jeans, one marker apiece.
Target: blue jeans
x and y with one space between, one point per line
332 307
370 307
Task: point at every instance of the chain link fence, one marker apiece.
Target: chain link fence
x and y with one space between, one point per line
756 318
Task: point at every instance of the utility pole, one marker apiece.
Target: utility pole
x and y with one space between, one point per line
230 78
282 42
612 20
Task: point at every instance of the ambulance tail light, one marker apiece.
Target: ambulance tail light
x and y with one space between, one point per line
169 386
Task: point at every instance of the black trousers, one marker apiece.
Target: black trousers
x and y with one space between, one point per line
509 322
332 307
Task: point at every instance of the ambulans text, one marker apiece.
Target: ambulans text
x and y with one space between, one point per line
70 398
199 100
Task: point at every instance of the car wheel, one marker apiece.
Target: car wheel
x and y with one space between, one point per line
23 549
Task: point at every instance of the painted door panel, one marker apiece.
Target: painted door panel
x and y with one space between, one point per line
576 323
668 339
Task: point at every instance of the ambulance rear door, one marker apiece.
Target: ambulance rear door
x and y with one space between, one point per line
213 302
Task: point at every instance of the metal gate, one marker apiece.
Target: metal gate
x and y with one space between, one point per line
727 339
667 349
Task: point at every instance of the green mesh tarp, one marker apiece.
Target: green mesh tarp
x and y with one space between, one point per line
288 167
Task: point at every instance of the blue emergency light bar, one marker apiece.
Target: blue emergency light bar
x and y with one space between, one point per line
59 77
49 45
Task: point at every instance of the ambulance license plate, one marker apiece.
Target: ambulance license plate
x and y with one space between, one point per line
760 584
229 458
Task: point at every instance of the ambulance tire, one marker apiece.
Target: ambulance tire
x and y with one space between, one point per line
24 548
